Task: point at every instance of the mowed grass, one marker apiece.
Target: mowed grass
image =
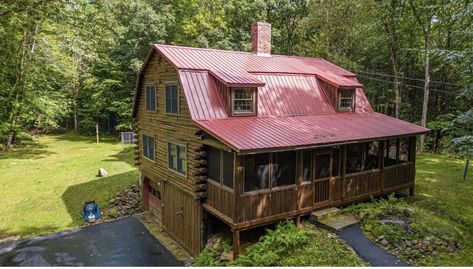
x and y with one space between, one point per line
43 183
441 191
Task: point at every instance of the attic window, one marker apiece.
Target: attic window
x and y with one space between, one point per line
243 101
346 97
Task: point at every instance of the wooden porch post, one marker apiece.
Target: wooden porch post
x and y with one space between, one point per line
238 178
382 145
412 158
236 243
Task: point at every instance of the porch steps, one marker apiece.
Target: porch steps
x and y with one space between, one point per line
332 219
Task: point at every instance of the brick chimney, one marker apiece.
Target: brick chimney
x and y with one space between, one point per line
261 38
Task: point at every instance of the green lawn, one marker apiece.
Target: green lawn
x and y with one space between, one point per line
45 182
442 192
440 215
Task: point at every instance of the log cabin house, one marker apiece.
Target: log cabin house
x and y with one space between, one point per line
253 138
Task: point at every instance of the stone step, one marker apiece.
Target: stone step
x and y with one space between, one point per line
335 222
327 212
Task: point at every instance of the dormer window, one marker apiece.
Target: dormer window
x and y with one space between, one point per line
346 100
243 101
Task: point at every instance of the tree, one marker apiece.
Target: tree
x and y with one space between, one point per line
425 16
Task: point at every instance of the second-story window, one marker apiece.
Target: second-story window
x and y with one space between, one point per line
151 98
148 147
172 99
346 100
177 158
243 101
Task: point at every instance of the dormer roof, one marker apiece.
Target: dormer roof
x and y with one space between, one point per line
293 109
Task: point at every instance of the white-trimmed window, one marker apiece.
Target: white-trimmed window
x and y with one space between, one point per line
150 98
177 157
346 100
148 147
243 101
172 99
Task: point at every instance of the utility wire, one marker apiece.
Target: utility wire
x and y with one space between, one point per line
402 77
412 86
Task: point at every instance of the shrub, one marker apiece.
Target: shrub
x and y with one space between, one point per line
274 245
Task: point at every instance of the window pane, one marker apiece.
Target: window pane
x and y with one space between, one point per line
145 146
284 168
372 155
404 147
336 161
148 147
346 99
256 172
181 159
307 165
172 156
213 164
152 147
243 100
172 99
354 158
168 99
390 153
151 98
228 169
322 166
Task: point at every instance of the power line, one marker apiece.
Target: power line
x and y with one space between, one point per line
412 86
408 78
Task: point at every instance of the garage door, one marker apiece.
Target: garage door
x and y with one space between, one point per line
181 217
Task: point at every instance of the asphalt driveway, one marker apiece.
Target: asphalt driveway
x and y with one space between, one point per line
124 242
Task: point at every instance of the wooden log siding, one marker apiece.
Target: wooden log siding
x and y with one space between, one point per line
178 190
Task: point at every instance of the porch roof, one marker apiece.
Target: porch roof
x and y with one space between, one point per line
252 134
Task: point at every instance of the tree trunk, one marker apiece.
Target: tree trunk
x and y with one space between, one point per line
74 103
425 103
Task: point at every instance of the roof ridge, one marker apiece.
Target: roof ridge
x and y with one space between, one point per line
239 51
196 48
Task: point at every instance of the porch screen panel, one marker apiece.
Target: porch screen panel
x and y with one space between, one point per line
404 149
256 172
372 155
336 161
284 169
390 153
322 165
354 158
213 164
307 165
227 159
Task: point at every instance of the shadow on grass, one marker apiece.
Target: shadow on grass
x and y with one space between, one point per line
72 137
125 155
101 190
27 149
29 231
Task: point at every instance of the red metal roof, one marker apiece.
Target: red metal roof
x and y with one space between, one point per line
256 133
223 60
236 78
291 95
292 110
202 95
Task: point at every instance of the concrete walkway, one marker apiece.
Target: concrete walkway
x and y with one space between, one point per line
124 242
367 249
